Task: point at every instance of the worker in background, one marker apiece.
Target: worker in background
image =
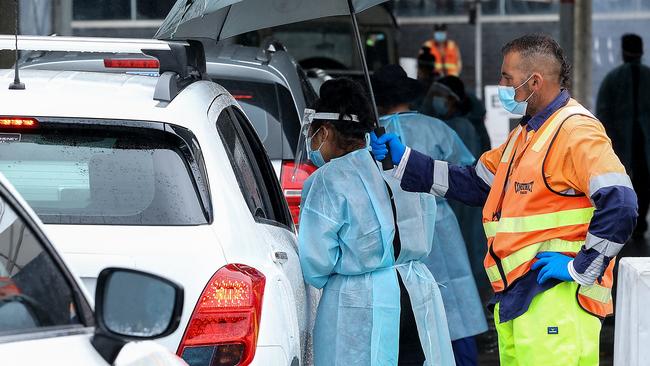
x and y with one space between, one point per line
446 52
476 114
557 209
426 68
447 100
448 261
426 76
623 106
362 240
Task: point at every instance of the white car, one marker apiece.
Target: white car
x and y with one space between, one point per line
46 316
162 174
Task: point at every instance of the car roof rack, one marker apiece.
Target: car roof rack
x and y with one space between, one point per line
181 63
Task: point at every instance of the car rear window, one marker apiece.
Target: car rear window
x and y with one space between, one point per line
100 175
272 113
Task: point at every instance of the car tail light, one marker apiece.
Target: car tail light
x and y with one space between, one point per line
225 323
124 63
292 186
18 122
242 96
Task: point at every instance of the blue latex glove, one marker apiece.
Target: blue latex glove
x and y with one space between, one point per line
380 151
552 265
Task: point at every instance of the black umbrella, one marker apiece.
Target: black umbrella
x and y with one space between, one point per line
221 19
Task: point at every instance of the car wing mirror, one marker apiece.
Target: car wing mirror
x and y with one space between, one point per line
131 305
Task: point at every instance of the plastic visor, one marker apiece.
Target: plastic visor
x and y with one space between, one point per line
302 150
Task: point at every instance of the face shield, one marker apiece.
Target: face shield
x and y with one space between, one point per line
439 97
303 164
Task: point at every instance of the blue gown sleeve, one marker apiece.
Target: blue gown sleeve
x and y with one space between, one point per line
318 241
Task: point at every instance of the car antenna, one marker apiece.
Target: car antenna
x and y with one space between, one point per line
16 85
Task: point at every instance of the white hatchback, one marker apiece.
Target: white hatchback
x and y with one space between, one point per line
165 175
46 315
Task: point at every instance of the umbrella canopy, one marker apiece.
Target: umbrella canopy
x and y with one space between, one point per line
220 19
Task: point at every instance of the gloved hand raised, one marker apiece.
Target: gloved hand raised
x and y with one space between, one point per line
379 150
552 265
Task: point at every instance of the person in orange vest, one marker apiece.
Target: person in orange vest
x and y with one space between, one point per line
446 52
558 207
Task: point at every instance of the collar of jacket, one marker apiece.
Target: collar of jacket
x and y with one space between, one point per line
535 122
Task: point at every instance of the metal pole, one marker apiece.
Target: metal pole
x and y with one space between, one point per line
134 13
478 56
362 58
62 17
387 163
567 11
582 52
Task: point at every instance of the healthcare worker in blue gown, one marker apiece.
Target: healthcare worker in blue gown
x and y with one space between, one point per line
448 261
380 304
448 101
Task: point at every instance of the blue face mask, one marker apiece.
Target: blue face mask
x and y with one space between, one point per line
507 98
440 36
440 107
315 156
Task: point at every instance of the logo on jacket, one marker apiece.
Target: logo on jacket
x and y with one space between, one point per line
523 188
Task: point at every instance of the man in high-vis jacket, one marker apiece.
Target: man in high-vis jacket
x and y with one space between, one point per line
446 52
557 208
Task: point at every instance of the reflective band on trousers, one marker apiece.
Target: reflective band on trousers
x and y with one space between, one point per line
546 221
529 252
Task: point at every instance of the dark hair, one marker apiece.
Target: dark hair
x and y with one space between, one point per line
347 97
426 59
532 45
632 46
440 27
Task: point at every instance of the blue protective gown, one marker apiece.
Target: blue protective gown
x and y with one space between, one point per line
449 263
470 219
346 248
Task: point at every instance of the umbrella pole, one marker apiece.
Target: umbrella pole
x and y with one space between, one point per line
387 162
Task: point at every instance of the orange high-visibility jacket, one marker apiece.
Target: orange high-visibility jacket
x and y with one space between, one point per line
447 54
523 215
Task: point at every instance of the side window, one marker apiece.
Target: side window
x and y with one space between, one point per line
34 292
276 202
245 169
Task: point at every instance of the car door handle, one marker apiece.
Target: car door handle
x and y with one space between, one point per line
280 257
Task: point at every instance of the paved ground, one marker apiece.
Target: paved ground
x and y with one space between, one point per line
488 348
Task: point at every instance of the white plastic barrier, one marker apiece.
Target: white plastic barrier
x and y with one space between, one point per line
632 332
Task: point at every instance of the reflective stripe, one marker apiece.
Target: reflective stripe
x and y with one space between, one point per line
484 173
609 180
528 253
558 119
511 144
547 221
596 292
493 273
440 178
603 246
